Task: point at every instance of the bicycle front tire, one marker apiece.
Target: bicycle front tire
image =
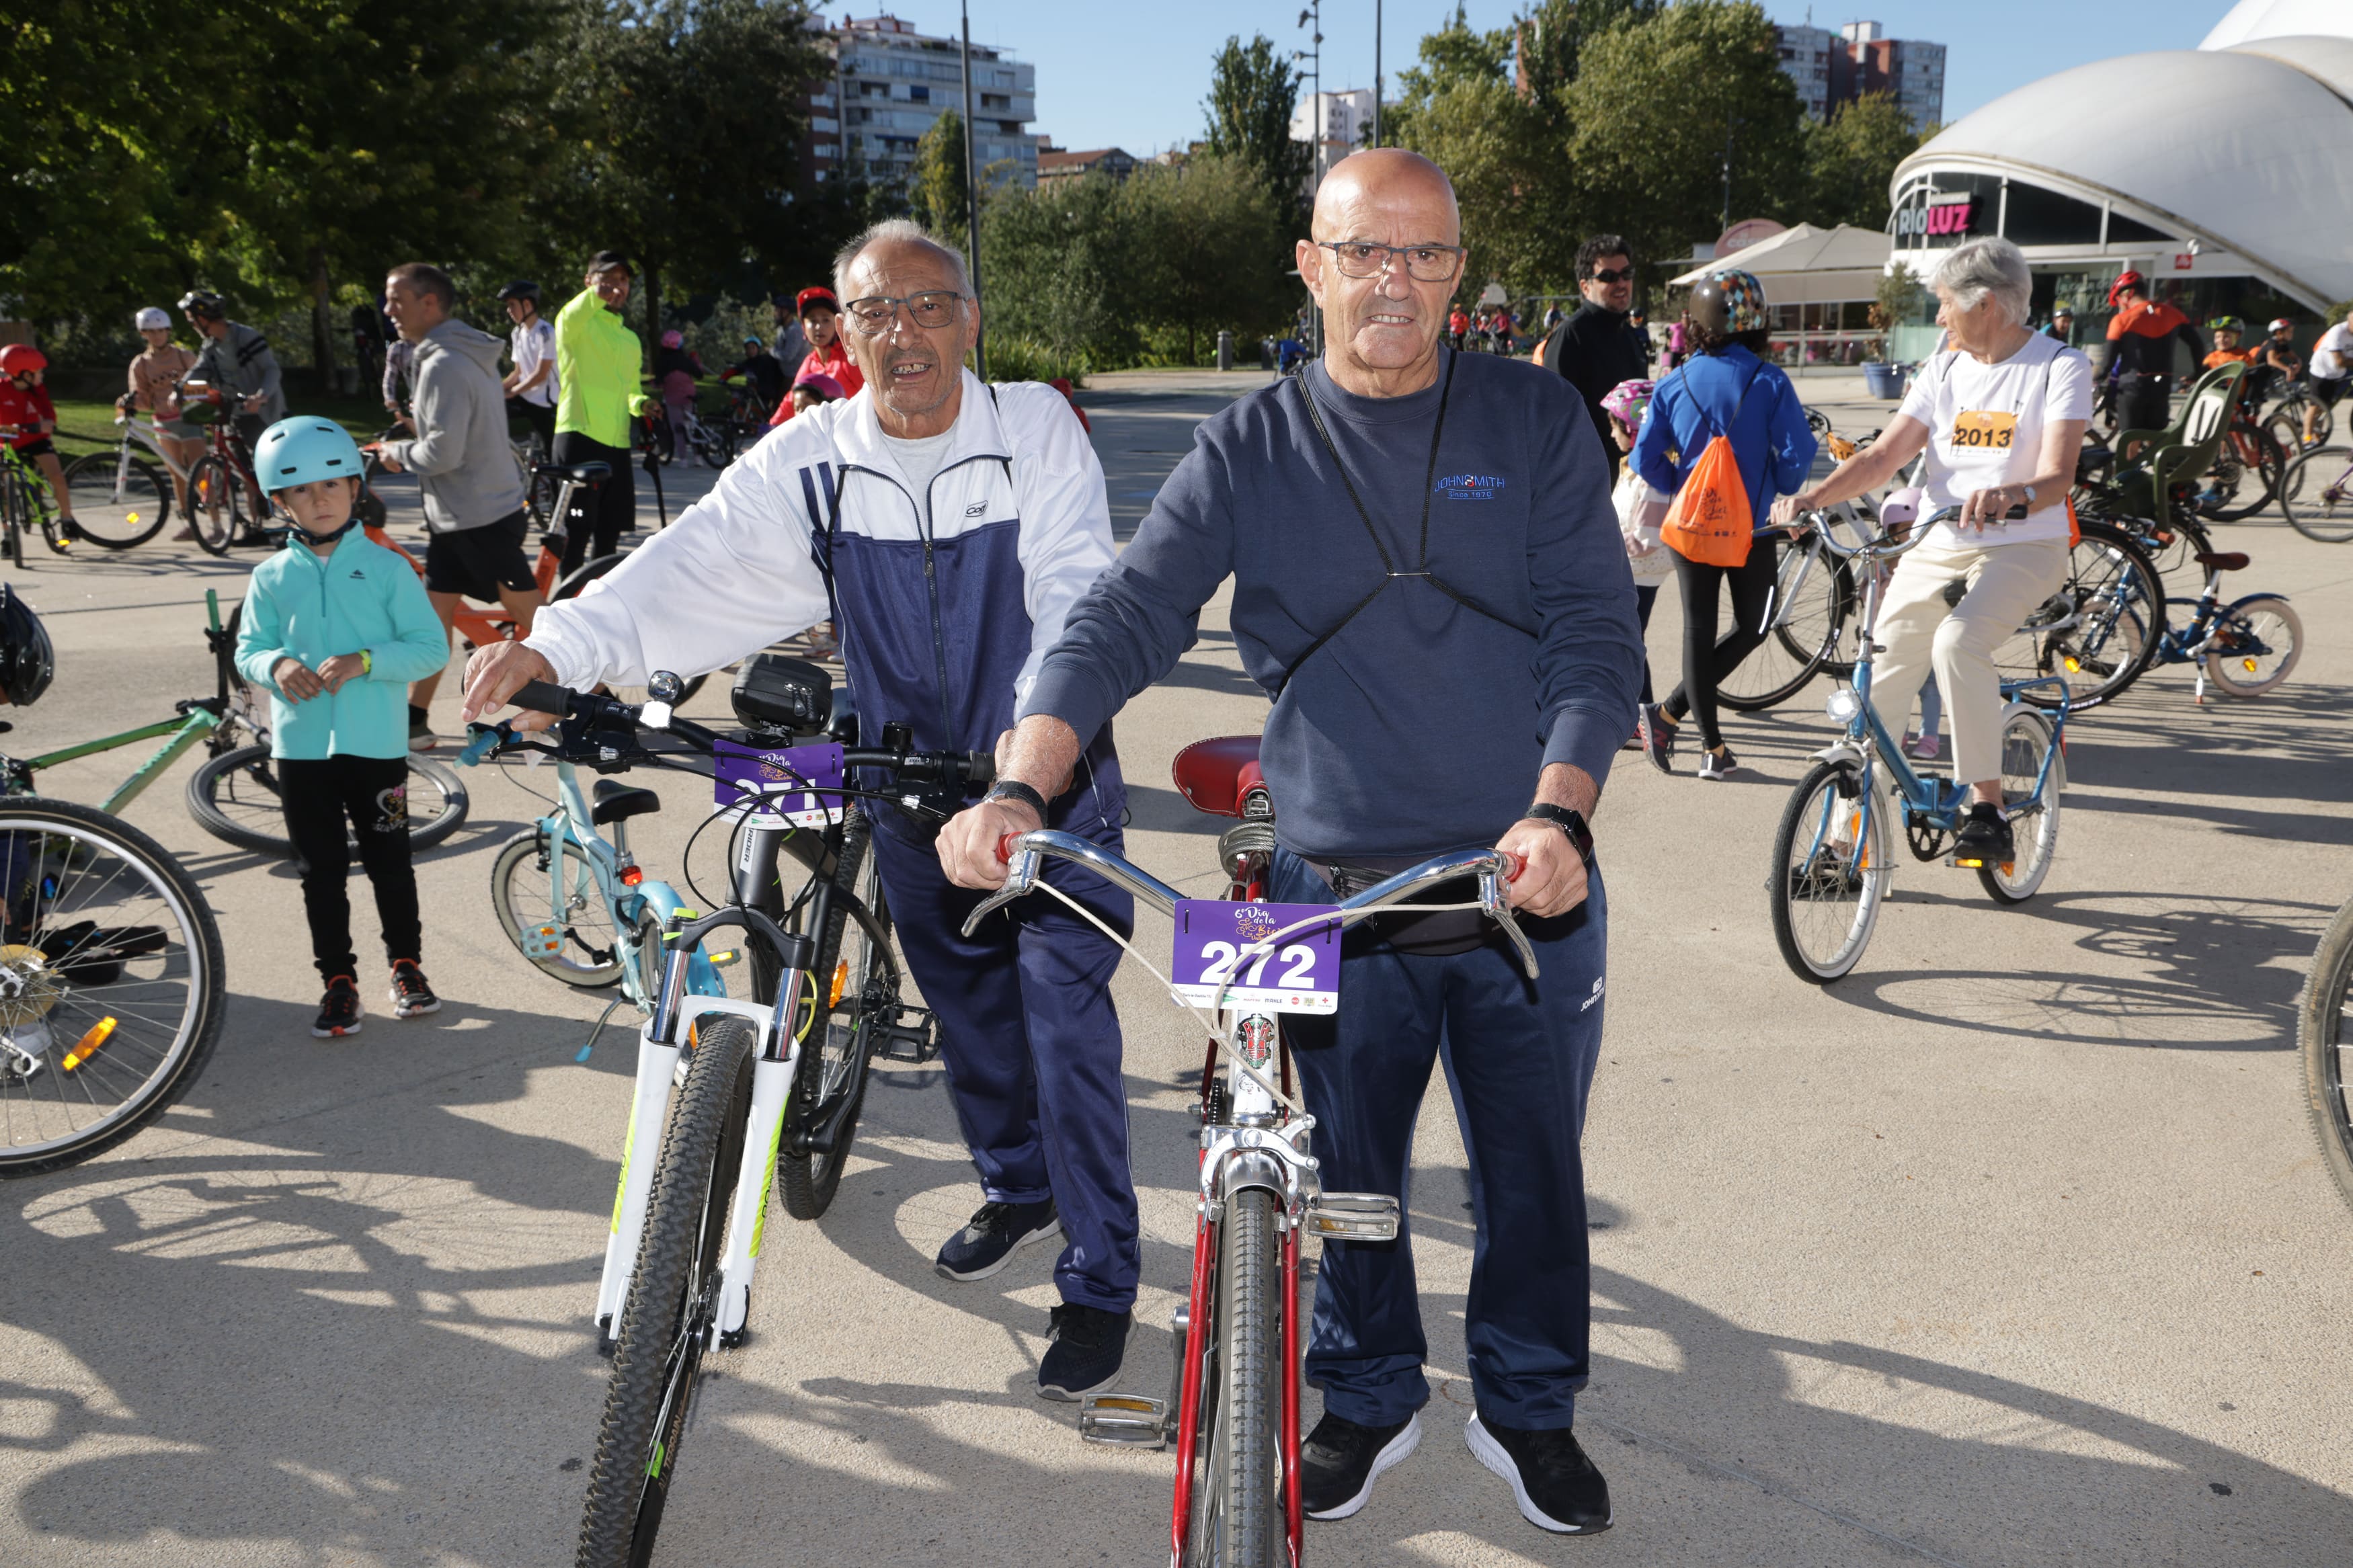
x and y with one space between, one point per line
1238 1520
2256 647
666 1316
859 982
236 798
2315 494
113 518
136 1056
1826 904
2323 1036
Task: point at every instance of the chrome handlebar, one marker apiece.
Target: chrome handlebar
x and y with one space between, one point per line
1025 853
1876 544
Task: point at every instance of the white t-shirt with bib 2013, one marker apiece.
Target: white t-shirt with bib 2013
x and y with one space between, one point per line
1985 429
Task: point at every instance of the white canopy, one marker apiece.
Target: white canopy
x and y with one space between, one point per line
2247 149
2277 19
1807 264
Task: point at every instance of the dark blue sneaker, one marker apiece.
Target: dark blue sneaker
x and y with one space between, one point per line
1556 1487
987 1245
1086 1352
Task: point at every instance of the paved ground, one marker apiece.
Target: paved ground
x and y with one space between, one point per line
2011 1249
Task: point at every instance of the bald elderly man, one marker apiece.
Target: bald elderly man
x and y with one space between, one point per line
1429 586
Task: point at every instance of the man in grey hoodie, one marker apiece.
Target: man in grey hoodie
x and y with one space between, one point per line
473 486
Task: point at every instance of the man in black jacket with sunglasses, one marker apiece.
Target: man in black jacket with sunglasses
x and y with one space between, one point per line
1597 347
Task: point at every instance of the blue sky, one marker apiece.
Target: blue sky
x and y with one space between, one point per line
1132 73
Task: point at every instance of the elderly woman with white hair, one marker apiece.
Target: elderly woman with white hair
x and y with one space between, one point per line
2000 412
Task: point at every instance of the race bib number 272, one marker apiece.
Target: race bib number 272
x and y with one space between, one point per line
1216 942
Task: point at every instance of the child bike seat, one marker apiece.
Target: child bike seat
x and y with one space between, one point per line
618 801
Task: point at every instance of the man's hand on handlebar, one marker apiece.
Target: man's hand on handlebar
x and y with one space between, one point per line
1552 874
968 843
1788 512
495 673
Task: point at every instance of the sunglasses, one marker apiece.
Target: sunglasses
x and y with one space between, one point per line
1610 274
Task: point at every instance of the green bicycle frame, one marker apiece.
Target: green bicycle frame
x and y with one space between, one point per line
197 719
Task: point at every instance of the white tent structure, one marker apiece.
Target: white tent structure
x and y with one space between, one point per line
1819 286
2229 165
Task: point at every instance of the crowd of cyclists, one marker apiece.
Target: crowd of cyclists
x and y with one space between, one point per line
1013 631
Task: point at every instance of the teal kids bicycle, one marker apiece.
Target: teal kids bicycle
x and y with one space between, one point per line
1833 851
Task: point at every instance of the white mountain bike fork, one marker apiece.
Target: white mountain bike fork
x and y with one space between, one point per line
657 1075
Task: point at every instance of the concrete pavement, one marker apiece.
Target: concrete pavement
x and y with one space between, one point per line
2012 1248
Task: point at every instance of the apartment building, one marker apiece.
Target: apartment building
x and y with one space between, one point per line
1805 55
1344 118
890 84
1831 68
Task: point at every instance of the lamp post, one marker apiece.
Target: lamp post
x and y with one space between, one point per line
1313 56
1377 72
972 199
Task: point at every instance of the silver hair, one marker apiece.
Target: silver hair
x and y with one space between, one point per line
1990 265
897 231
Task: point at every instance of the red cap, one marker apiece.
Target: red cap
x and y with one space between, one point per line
808 297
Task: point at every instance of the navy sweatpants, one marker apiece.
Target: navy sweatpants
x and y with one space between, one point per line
1031 1045
1519 1062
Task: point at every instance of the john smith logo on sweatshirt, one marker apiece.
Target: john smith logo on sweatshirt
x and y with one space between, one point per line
1468 486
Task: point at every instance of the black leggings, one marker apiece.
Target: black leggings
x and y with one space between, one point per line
373 792
1707 658
601 516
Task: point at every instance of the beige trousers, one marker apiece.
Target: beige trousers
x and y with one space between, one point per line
2006 582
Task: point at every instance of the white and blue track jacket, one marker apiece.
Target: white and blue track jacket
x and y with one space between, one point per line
947 600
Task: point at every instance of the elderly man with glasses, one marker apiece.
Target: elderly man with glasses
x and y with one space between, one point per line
1429 586
1598 347
948 526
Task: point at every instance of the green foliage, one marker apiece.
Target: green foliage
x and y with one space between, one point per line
1852 156
1026 359
1655 101
1456 56
1897 298
937 188
1253 94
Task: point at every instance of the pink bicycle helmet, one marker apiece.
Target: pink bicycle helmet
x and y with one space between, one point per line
827 389
673 339
1628 400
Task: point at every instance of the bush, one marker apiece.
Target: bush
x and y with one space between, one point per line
1026 359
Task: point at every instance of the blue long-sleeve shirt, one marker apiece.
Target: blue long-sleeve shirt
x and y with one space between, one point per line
1770 439
1420 727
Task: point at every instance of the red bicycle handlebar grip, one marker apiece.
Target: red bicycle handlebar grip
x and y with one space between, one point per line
1517 865
1005 848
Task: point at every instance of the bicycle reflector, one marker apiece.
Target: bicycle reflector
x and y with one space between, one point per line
632 875
87 1047
540 940
1129 1420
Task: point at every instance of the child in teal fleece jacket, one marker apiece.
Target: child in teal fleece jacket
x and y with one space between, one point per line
335 628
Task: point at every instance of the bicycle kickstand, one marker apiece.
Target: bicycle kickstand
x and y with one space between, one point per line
602 1019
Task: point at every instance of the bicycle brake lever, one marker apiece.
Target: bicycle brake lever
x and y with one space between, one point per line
1020 875
1493 904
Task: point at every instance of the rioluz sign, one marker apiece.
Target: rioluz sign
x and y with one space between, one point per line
1946 217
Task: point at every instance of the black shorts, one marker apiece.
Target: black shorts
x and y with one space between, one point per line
2326 389
478 562
39 447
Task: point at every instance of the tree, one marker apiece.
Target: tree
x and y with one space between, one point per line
1850 158
1252 96
1659 104
936 190
1457 55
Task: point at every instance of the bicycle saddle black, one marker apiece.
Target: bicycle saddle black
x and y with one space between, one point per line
577 473
618 801
2223 559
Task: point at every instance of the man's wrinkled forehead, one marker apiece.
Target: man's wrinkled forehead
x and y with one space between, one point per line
1396 201
898 269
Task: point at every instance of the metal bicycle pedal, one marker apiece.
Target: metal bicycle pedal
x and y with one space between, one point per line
911 1035
1354 1217
1124 1420
540 940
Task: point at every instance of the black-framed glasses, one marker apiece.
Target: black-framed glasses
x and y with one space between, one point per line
1423 263
872 315
1610 274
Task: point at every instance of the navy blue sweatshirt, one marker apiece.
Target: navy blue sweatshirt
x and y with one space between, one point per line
1422 727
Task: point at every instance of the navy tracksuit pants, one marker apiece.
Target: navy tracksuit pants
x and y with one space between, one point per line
1519 1062
1032 1043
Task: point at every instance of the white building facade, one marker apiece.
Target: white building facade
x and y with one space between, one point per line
891 83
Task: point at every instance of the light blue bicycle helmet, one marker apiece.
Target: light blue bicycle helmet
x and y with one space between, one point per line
302 451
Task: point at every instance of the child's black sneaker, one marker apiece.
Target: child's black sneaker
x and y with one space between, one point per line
339 1010
412 995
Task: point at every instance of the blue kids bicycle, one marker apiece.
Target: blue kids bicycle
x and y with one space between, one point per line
1833 852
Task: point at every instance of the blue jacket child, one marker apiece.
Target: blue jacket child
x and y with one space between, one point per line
335 628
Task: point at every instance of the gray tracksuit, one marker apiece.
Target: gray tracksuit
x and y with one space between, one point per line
462 452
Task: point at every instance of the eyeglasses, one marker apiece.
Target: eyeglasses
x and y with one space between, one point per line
1423 263
872 316
1610 274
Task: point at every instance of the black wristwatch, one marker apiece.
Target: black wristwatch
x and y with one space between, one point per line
1014 789
1571 823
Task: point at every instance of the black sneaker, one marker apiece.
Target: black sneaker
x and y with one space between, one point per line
339 1010
1086 1352
1555 1484
1340 1460
1718 764
412 995
1984 838
987 1245
1658 737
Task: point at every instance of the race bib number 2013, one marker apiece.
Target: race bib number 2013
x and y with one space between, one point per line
1980 429
1299 973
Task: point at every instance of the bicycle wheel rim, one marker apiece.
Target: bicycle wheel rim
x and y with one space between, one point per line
2102 623
1829 869
2324 1037
1238 1520
523 894
132 991
2316 494
2035 819
2255 648
116 505
211 505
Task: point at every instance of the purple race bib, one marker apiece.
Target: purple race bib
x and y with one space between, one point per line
1299 973
787 783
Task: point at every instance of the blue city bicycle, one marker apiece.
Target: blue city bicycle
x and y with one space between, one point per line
1833 851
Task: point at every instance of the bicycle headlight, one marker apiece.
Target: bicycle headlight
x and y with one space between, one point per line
1843 705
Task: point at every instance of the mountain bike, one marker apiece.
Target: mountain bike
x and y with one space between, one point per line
2324 1037
235 794
730 1093
119 501
26 503
2316 494
226 507
112 984
1233 1406
1833 848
